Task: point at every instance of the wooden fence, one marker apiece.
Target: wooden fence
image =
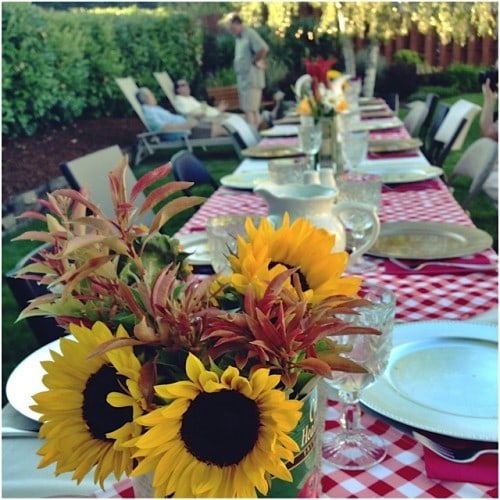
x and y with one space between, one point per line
477 51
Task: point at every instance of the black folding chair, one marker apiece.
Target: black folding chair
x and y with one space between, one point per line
45 329
187 167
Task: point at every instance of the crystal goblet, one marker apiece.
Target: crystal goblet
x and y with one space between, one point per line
354 147
310 137
365 189
356 448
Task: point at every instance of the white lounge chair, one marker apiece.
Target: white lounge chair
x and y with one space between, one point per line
92 170
244 135
167 85
147 142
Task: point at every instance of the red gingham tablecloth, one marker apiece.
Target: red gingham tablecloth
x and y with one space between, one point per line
400 475
420 297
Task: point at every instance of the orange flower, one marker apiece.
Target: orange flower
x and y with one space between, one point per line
304 107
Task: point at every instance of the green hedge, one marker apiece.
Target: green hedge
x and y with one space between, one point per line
60 65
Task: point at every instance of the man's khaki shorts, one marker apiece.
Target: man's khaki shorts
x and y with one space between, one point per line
251 99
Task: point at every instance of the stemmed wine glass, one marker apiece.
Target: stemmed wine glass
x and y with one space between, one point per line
310 137
356 448
354 147
366 190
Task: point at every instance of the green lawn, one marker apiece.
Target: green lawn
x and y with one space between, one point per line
17 340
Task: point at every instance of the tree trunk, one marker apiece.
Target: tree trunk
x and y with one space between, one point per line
349 55
371 69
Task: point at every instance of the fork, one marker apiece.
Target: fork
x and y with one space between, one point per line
464 455
462 265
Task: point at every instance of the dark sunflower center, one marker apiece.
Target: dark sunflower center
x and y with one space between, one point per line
303 281
221 428
99 415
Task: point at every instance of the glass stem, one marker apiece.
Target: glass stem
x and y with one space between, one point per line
350 412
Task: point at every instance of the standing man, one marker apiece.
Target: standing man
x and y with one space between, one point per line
249 52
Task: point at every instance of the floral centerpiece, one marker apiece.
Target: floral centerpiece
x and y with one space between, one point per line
323 98
199 382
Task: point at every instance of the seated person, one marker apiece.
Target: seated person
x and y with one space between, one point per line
159 119
190 106
488 124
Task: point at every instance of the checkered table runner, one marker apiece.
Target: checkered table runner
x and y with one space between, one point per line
420 297
400 475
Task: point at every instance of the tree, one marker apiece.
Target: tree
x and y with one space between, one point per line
379 21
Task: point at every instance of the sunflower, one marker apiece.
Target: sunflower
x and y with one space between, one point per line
220 435
268 252
89 409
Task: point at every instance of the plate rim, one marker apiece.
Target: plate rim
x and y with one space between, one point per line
432 173
294 151
369 125
12 385
246 185
429 424
475 245
191 239
285 133
414 143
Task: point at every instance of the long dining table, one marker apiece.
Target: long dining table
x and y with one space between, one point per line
421 297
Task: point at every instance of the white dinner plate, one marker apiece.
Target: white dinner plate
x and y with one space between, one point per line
400 174
442 377
280 131
244 180
195 244
429 240
372 107
379 124
26 380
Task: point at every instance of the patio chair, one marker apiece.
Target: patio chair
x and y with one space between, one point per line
44 329
187 167
453 130
147 142
243 134
392 100
429 146
152 141
92 170
415 117
476 163
431 100
167 85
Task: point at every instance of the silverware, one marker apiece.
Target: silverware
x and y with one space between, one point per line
15 432
459 455
462 265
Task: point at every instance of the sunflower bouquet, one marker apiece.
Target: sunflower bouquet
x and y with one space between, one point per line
199 382
323 98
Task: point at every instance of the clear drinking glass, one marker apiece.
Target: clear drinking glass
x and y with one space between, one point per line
222 232
354 147
356 448
310 137
365 189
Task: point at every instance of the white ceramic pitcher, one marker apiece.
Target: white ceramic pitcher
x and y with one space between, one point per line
317 204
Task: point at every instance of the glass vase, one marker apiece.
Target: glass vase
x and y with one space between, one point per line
329 152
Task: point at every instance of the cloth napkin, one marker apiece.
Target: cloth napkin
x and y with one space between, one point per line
392 154
484 470
412 186
436 268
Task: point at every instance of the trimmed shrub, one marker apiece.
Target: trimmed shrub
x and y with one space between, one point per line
61 65
464 77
